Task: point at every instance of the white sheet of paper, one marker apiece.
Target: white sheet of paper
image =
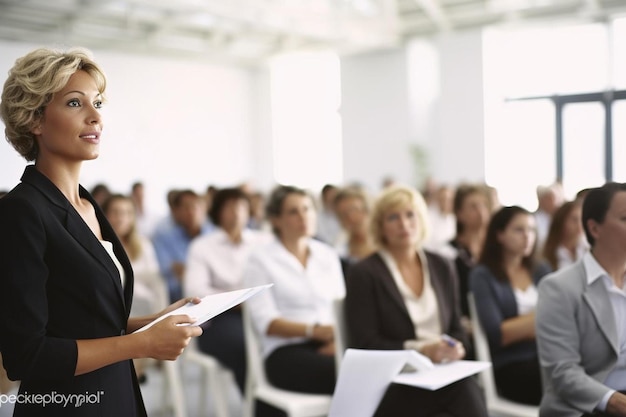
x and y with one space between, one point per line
211 305
441 375
364 376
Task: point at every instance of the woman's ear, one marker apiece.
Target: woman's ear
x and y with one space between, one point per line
36 128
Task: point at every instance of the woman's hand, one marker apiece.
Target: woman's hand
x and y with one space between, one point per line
167 339
323 333
327 349
444 351
178 304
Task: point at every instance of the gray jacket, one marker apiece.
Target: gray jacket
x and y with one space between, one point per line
577 342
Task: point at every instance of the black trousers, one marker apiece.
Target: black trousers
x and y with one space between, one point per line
461 399
520 381
298 368
223 339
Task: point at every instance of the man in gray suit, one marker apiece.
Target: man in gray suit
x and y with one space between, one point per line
581 318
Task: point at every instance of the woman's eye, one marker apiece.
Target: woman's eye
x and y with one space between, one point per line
392 217
74 103
98 104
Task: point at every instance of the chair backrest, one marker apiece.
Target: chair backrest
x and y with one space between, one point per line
340 331
254 357
481 347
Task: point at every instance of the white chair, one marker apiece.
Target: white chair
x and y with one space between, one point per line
257 387
340 330
495 403
173 386
215 379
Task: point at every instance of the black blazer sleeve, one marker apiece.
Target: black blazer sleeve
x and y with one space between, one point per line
27 351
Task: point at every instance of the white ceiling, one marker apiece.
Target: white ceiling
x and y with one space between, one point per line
249 31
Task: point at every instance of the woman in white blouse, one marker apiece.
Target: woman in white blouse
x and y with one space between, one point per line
215 264
295 317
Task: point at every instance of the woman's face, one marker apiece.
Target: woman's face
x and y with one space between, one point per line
234 214
352 214
518 237
297 218
474 213
573 226
71 125
401 227
121 215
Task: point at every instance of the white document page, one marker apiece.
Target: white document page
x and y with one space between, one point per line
364 376
211 305
441 375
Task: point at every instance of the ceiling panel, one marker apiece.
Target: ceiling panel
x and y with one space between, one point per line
249 31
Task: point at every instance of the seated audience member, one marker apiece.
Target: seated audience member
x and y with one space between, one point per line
471 209
504 287
441 219
258 220
352 209
100 193
328 228
581 317
171 241
549 199
403 297
295 317
145 219
566 241
150 293
215 264
494 198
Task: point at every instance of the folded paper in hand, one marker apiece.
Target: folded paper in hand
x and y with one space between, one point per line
211 305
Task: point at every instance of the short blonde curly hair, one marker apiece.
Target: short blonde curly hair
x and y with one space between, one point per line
32 82
393 198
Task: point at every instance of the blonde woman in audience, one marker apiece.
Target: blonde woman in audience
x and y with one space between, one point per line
215 264
352 209
404 297
504 285
566 241
295 317
150 292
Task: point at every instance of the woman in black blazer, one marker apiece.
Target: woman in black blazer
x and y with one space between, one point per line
403 297
66 283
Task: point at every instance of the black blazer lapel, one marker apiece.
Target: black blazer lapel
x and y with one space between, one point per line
389 284
75 225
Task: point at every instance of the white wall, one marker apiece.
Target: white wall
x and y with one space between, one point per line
375 118
429 93
459 148
170 123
